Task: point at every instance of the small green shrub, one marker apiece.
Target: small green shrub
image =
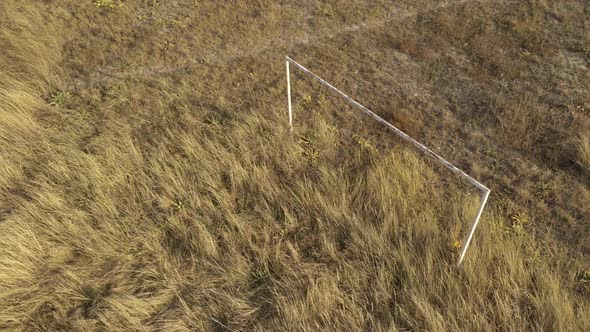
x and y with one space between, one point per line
310 143
518 221
585 279
60 99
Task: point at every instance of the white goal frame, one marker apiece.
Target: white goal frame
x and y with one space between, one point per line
485 191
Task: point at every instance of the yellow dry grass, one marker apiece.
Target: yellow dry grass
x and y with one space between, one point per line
176 199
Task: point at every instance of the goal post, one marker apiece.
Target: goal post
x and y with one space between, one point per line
485 191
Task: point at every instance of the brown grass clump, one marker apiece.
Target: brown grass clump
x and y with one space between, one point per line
150 188
584 151
414 47
521 120
409 45
404 121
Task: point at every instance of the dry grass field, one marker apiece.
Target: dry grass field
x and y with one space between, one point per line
149 182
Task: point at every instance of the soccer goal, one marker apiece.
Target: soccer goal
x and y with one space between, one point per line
485 191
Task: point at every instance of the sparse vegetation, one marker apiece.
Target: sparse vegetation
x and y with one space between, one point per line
180 201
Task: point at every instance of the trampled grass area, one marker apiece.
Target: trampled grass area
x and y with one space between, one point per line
148 181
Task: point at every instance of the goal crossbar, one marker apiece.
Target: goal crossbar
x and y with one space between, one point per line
485 191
